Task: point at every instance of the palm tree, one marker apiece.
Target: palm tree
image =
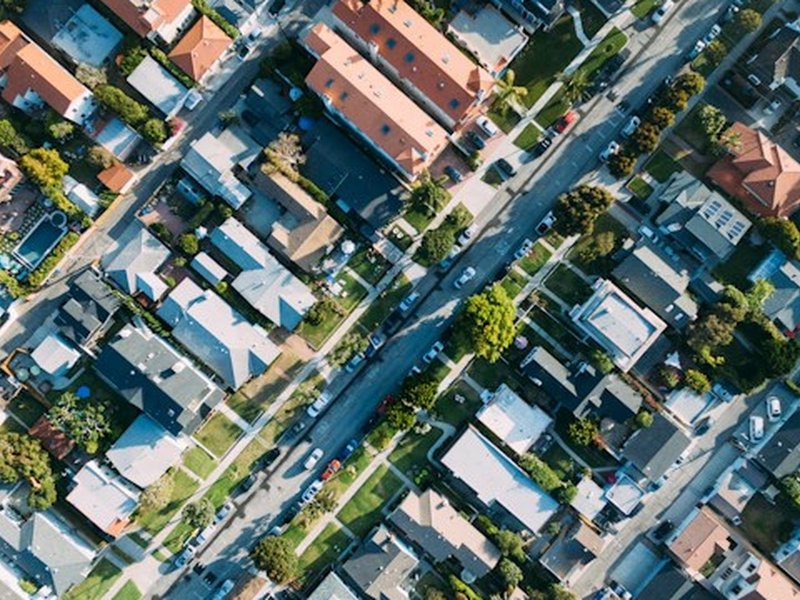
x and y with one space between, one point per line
575 86
508 94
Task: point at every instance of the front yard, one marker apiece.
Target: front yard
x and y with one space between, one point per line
96 584
385 303
661 165
325 549
218 434
568 285
535 259
183 486
254 397
351 294
363 511
768 525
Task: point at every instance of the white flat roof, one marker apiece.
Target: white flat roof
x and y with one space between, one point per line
87 37
144 452
55 356
493 39
589 500
688 405
496 478
156 84
103 496
625 494
514 421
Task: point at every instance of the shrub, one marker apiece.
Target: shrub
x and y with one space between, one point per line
131 59
697 381
583 431
189 244
44 166
436 243
154 131
601 361
205 9
100 157
170 66
540 472
644 419
621 164
114 99
10 139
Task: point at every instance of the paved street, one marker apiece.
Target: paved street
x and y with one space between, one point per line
505 224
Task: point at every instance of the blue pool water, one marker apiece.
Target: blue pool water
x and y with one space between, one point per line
40 240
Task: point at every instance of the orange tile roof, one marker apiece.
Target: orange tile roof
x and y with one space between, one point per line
354 88
200 48
704 537
419 52
12 40
34 69
144 19
116 177
760 173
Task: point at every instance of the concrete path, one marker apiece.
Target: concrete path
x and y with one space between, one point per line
576 19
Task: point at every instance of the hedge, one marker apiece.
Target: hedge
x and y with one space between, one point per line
311 188
14 288
65 205
38 276
203 8
152 322
161 57
128 109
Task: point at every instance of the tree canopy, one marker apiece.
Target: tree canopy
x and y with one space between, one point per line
23 458
577 211
85 422
488 321
275 555
44 166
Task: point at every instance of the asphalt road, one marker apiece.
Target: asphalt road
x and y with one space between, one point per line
505 224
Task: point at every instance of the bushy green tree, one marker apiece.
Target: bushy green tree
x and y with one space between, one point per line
583 431
662 117
690 82
748 20
428 195
577 211
189 244
23 458
697 381
199 514
154 131
715 52
157 495
419 392
510 573
621 164
488 321
644 419
510 544
44 166
645 137
437 243
276 556
601 360
114 99
85 422
783 233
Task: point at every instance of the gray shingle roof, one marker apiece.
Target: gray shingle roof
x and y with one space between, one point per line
654 449
781 454
380 565
139 254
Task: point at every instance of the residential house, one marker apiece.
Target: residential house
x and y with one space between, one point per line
158 86
209 269
214 161
431 523
622 328
653 450
625 495
86 37
736 487
759 173
780 455
88 311
360 97
133 265
777 64
305 232
57 443
81 195
332 588
417 57
145 451
573 549
589 500
699 219
515 422
489 36
648 273
671 583
266 284
787 556
783 304
55 357
200 49
380 566
217 335
31 78
712 553
154 377
105 498
10 176
118 178
532 14
497 480
157 20
43 546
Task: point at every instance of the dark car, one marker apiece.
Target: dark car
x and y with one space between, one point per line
476 140
453 173
664 529
392 322
247 483
541 147
376 340
703 426
269 458
505 167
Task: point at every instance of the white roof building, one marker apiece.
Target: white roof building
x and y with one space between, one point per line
145 451
158 86
104 497
623 328
495 478
55 356
589 500
625 494
81 196
489 37
514 421
133 265
208 268
87 37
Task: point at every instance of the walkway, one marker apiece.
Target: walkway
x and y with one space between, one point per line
576 19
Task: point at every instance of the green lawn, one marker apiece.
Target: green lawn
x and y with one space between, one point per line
529 137
740 263
178 537
592 18
363 511
601 265
568 286
559 461
154 521
643 8
384 304
26 408
640 188
690 129
222 488
218 434
97 583
352 291
768 525
254 397
199 462
491 375
535 260
411 455
129 591
661 165
557 329
324 550
505 120
352 294
370 265
418 220
513 283
352 467
456 413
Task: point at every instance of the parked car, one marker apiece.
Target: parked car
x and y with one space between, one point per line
311 492
409 301
184 557
664 529
703 426
487 126
505 167
353 363
564 122
648 233
546 223
698 47
223 511
223 590
313 459
316 407
662 11
376 340
541 147
193 98
476 140
610 150
247 483
348 450
631 126
755 428
523 250
433 352
243 52
453 173
773 408
466 275
269 458
332 468
467 234
712 34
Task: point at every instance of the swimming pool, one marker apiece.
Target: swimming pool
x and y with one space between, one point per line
40 240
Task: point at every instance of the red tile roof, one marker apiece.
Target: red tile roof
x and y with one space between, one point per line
355 89
419 52
116 177
55 441
12 40
200 48
760 173
146 17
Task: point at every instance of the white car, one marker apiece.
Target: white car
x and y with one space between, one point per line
699 46
193 98
467 234
313 459
662 11
546 223
523 250
713 34
773 408
466 275
648 233
433 352
316 407
631 126
408 301
756 428
611 150
311 492
487 126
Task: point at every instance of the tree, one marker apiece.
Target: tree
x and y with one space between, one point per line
576 211
670 377
44 167
286 149
84 421
157 495
645 137
758 293
437 243
791 487
510 545
601 361
621 164
229 117
100 157
566 493
199 514
350 345
662 117
690 82
9 138
508 94
575 86
511 574
276 556
780 355
189 244
154 131
783 233
428 195
697 381
711 332
583 431
712 120
599 246
131 59
644 419
748 20
677 99
488 321
90 76
729 142
57 128
715 52
114 99
419 393
12 6
540 472
23 458
400 416
559 592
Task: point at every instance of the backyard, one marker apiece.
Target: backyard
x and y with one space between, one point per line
661 165
768 525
